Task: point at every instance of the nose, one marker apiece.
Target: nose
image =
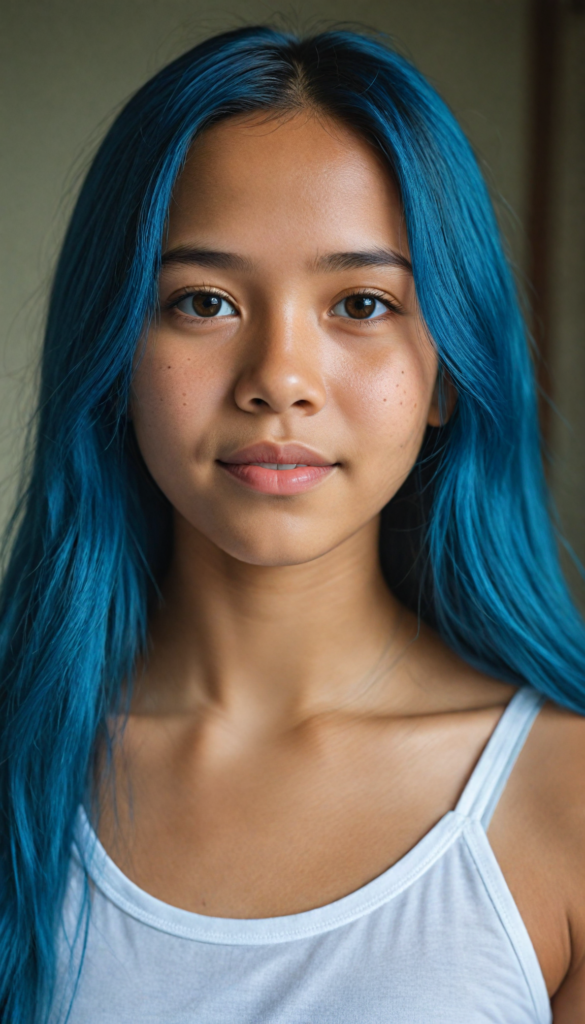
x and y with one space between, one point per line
281 370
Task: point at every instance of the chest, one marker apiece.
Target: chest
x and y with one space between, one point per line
278 828
284 828
403 950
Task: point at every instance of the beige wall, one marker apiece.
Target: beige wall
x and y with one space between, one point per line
68 65
568 355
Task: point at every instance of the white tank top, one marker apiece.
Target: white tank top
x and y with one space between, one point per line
436 939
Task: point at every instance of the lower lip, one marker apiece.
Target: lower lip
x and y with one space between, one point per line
277 481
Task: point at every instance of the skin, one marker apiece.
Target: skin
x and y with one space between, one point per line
285 685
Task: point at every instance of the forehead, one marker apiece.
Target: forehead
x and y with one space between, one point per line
304 181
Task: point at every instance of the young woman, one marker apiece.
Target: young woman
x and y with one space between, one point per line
283 608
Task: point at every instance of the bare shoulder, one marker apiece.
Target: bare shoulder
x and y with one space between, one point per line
538 835
552 770
552 777
546 793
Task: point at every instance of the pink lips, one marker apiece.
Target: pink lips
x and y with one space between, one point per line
309 468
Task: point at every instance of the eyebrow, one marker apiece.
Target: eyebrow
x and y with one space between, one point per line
186 254
366 258
191 255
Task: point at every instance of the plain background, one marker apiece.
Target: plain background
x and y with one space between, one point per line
68 66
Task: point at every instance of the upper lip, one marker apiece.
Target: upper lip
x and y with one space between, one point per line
281 454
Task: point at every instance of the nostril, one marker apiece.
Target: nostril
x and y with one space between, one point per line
259 402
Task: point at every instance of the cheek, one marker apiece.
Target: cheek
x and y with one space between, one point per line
388 404
173 399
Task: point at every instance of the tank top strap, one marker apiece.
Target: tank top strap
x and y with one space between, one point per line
490 775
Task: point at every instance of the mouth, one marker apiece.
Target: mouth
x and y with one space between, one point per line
277 469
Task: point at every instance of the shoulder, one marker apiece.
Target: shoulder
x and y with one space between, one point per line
547 787
555 757
544 818
552 768
539 836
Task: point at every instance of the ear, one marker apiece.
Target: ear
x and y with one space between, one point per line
443 401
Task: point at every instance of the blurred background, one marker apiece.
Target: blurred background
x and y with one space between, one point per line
512 70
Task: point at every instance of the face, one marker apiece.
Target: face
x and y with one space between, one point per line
284 390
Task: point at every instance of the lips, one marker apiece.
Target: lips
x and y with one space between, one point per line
277 469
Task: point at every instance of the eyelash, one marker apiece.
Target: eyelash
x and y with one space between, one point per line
392 307
171 307
371 293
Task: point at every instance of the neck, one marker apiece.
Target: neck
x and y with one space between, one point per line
275 642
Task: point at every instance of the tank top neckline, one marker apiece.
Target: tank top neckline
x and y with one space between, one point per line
476 804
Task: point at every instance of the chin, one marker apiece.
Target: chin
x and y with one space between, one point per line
280 546
274 553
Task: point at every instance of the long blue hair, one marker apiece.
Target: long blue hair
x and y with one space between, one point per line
468 541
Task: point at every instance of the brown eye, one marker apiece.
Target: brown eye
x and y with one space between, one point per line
205 305
360 307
